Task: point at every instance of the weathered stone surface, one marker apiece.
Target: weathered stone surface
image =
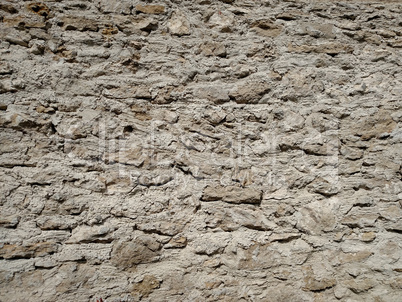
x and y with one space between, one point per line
12 251
178 24
328 48
176 242
260 257
359 286
56 223
80 24
143 249
317 217
85 234
360 218
150 9
9 221
232 194
200 150
249 93
213 49
266 28
146 286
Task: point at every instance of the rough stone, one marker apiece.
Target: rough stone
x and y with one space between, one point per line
12 251
249 93
150 9
232 194
200 150
128 254
178 24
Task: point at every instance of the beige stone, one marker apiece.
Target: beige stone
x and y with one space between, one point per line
232 194
13 251
150 9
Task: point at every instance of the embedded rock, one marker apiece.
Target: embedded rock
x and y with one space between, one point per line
232 194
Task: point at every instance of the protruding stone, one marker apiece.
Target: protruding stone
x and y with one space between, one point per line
144 249
13 251
232 194
266 28
332 48
176 242
178 24
249 92
360 286
368 236
85 234
150 9
146 286
79 23
213 49
222 21
9 221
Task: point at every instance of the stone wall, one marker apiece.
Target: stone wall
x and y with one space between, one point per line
201 150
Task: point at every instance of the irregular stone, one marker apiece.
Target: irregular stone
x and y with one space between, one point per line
210 245
154 181
150 9
351 153
374 126
288 16
176 242
342 258
317 30
146 286
233 218
317 217
9 221
116 7
266 28
146 24
56 223
232 194
95 253
217 95
45 263
79 23
21 40
144 249
328 48
360 286
12 251
161 227
37 48
324 187
284 237
87 234
249 93
222 21
314 283
363 217
213 49
178 24
396 283
260 257
31 21
368 236
200 150
394 227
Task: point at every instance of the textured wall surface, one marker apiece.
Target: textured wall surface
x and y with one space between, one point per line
201 150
